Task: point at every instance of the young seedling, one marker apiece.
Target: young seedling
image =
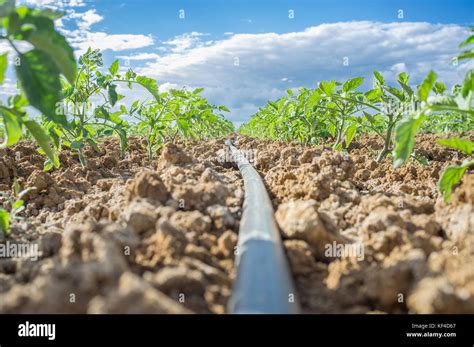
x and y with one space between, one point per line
453 174
178 113
12 206
390 106
341 106
85 122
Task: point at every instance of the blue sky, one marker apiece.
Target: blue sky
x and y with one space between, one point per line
219 16
246 52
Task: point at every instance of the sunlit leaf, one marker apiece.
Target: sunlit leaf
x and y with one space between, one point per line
405 139
43 140
464 146
426 86
12 127
3 66
352 84
452 176
40 80
4 221
114 68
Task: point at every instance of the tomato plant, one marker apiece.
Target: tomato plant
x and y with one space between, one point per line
38 71
178 112
11 206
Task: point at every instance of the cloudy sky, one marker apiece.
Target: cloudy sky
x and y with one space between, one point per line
246 52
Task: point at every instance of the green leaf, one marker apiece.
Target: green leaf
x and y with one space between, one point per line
426 86
40 80
439 88
468 41
395 92
197 91
373 95
352 84
45 38
123 138
77 145
223 108
114 67
451 177
48 165
369 117
466 55
43 140
379 77
332 129
468 85
464 146
350 134
406 88
113 97
17 204
3 66
327 87
150 85
12 127
6 6
93 144
403 78
4 221
405 139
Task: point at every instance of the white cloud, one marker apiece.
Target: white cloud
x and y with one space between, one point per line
76 26
139 56
86 19
115 42
304 58
185 42
166 87
54 4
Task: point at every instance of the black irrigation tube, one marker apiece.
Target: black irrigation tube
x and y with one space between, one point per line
263 283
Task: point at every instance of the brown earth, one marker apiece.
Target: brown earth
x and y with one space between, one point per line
407 250
131 235
124 235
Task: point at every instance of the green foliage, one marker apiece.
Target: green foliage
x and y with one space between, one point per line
4 221
40 81
405 139
456 106
336 110
390 106
82 117
469 53
39 71
178 113
458 144
3 66
396 114
12 204
298 116
452 176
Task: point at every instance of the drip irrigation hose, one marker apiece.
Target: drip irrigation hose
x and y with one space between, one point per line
263 283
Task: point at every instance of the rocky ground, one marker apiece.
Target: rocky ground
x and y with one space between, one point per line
134 235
